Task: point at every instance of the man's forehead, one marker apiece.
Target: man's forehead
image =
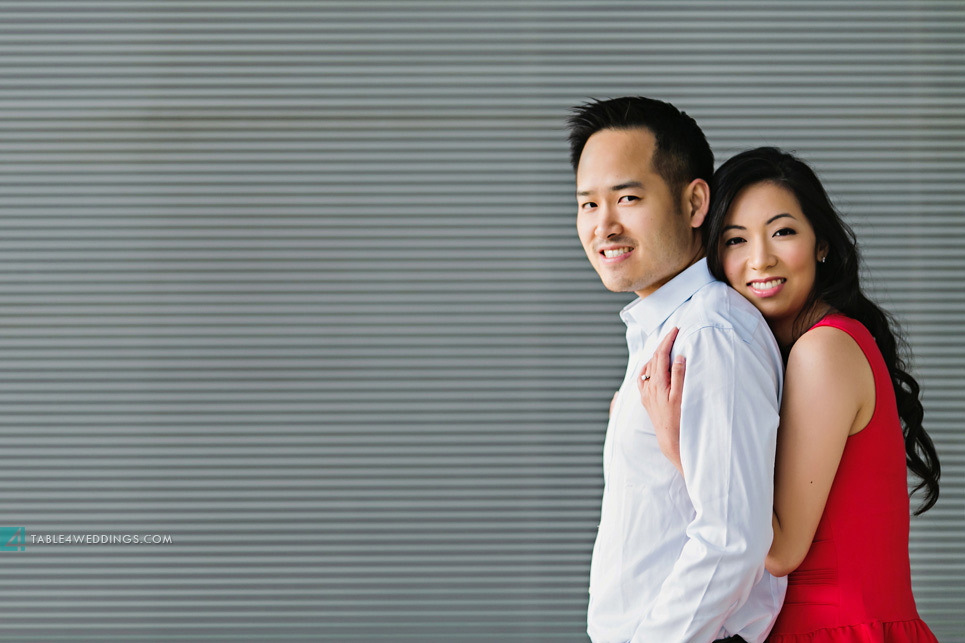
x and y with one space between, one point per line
616 151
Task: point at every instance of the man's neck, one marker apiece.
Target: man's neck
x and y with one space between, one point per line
700 253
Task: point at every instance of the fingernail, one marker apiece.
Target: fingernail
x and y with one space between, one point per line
680 359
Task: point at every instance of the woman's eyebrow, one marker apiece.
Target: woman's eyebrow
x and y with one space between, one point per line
769 222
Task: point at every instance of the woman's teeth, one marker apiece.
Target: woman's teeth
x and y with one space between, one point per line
767 285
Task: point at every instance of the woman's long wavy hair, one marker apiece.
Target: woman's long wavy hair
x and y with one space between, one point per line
836 284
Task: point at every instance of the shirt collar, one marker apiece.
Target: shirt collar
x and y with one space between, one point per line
647 313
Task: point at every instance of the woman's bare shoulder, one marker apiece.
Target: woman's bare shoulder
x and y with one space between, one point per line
829 349
826 363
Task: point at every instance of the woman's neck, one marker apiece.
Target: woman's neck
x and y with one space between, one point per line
787 331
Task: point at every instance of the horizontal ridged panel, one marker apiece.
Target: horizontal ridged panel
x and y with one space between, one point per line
297 283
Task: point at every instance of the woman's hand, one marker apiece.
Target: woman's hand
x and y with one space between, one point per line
661 389
613 401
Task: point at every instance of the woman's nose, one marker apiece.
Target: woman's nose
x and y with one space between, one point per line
761 257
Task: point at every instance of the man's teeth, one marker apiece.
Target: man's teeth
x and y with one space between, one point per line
616 252
766 285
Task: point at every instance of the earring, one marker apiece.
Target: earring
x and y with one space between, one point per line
821 260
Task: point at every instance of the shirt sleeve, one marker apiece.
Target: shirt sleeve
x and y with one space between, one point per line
728 435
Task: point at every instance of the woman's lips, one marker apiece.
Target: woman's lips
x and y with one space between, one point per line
766 287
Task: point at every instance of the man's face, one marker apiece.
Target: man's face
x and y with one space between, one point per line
633 228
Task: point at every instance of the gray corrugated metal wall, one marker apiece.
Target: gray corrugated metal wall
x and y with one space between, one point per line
297 284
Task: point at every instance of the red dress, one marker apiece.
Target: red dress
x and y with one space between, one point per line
855 582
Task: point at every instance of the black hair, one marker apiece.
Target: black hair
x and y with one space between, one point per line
836 284
681 154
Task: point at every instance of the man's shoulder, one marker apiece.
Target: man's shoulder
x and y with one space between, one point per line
718 306
719 325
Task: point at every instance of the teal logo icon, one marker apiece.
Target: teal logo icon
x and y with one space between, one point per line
13 538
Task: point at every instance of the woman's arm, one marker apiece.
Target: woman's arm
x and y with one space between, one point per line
828 395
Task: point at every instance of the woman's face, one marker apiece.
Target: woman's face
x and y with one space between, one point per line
769 253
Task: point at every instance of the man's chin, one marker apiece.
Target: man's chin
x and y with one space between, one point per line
615 280
615 285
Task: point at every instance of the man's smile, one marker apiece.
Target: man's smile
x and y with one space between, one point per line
616 253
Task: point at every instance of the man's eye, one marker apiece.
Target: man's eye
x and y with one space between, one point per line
626 198
589 205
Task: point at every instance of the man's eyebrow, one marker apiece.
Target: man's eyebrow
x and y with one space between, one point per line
615 188
624 186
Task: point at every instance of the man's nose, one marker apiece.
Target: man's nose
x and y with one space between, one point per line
608 224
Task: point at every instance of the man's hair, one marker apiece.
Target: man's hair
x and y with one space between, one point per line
682 153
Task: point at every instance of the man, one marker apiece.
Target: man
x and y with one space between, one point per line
677 558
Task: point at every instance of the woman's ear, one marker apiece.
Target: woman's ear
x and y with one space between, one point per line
821 251
697 200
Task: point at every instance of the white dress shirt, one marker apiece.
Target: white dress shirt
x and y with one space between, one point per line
680 559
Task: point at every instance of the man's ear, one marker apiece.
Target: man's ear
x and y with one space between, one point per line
697 202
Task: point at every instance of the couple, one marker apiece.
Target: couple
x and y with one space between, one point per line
711 514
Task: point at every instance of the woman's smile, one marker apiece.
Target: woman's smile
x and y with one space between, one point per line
766 287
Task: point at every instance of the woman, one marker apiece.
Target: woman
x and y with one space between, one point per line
850 416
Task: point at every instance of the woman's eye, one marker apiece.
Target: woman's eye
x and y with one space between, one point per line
783 232
627 198
733 241
589 205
